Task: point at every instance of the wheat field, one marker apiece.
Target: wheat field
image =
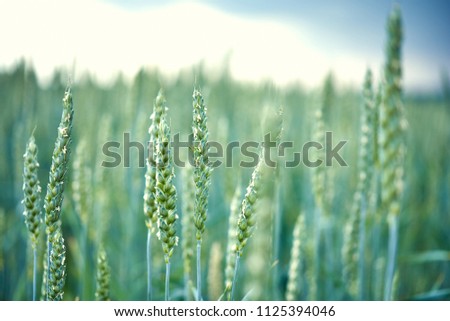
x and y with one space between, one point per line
75 227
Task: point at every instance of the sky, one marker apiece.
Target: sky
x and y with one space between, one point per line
285 40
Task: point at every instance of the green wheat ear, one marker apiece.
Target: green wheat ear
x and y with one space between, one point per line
202 169
150 203
31 191
150 206
166 193
32 200
247 220
60 158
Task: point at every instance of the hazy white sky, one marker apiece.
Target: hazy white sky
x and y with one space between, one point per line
105 38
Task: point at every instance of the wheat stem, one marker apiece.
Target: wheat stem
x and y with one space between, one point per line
149 265
236 268
392 253
199 271
34 273
166 296
202 174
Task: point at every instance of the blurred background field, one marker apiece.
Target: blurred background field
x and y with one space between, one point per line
236 112
238 109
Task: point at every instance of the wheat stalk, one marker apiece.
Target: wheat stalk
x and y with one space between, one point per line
150 206
55 187
202 174
392 135
166 194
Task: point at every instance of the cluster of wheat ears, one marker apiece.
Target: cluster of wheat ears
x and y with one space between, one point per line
380 167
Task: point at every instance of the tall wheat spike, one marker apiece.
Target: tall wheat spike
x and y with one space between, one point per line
166 193
392 147
354 238
55 188
150 206
202 175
